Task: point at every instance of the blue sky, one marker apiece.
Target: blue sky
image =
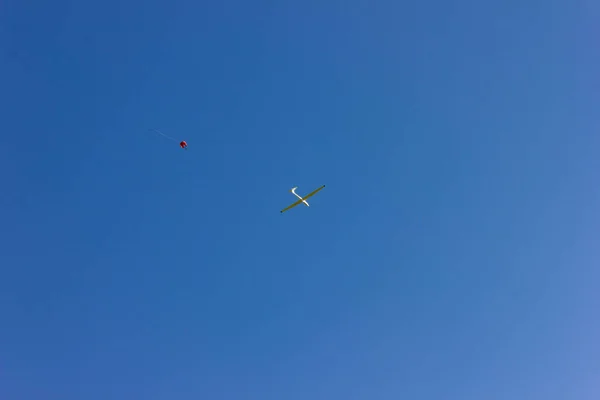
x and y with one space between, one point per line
452 255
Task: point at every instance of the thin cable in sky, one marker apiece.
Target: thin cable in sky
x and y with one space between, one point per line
160 133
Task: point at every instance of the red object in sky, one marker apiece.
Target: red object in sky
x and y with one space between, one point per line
183 145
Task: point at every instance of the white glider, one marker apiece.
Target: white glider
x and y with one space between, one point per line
302 199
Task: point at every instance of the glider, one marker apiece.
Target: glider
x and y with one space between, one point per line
301 199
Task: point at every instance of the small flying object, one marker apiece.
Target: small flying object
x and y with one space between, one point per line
302 199
183 144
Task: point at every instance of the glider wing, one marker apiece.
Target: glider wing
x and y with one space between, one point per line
292 205
313 193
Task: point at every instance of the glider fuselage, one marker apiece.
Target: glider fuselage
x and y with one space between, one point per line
298 196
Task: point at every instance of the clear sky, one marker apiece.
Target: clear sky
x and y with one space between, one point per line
452 255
